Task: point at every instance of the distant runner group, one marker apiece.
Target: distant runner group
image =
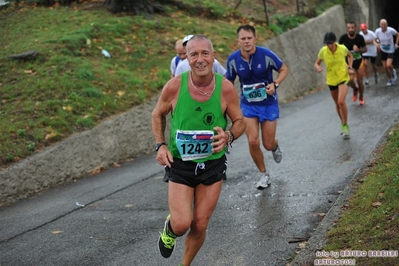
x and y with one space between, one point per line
347 62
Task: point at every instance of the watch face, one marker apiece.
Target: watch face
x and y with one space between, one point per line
157 146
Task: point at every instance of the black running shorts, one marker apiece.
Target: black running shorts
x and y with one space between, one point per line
192 174
333 88
357 64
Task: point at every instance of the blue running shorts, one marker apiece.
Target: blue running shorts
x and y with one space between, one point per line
262 112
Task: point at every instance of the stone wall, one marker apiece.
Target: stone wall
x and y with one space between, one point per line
298 49
129 134
119 138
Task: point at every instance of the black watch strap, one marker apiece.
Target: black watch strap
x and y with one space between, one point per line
158 145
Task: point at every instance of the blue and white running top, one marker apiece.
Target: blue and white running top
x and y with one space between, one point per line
386 39
254 75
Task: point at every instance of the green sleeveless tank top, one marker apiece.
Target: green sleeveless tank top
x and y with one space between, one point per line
191 115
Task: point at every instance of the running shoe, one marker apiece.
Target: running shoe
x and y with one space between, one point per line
345 131
342 128
376 78
354 96
277 154
367 82
264 181
166 240
394 76
389 84
362 101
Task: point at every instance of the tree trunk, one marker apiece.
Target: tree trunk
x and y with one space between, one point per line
266 12
137 7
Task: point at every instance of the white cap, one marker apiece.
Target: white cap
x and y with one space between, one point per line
186 39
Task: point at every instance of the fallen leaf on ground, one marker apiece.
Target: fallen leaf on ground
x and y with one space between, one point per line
376 203
51 135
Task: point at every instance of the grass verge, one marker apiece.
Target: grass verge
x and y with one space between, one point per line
370 220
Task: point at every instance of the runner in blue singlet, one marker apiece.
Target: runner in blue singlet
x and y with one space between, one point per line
254 66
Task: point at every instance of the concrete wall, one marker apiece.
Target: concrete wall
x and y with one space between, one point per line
298 49
119 138
129 134
357 11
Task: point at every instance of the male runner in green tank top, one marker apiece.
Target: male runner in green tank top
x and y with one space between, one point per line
195 163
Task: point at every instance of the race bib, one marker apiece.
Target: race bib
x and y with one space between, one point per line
386 47
255 92
194 144
356 55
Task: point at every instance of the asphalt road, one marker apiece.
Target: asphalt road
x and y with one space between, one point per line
113 218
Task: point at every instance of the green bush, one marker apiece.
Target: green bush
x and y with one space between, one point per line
280 23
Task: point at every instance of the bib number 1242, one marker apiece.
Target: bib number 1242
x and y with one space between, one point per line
194 144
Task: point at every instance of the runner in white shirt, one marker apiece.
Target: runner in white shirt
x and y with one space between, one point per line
181 55
384 42
371 54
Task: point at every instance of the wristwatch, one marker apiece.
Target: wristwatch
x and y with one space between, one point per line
158 145
276 84
231 137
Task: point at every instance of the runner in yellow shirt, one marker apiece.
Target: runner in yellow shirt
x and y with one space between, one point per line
337 77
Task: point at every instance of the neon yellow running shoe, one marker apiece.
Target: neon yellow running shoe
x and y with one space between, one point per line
167 240
345 131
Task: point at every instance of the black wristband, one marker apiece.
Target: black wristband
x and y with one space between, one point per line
158 145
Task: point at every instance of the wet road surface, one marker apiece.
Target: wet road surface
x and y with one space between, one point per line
113 218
